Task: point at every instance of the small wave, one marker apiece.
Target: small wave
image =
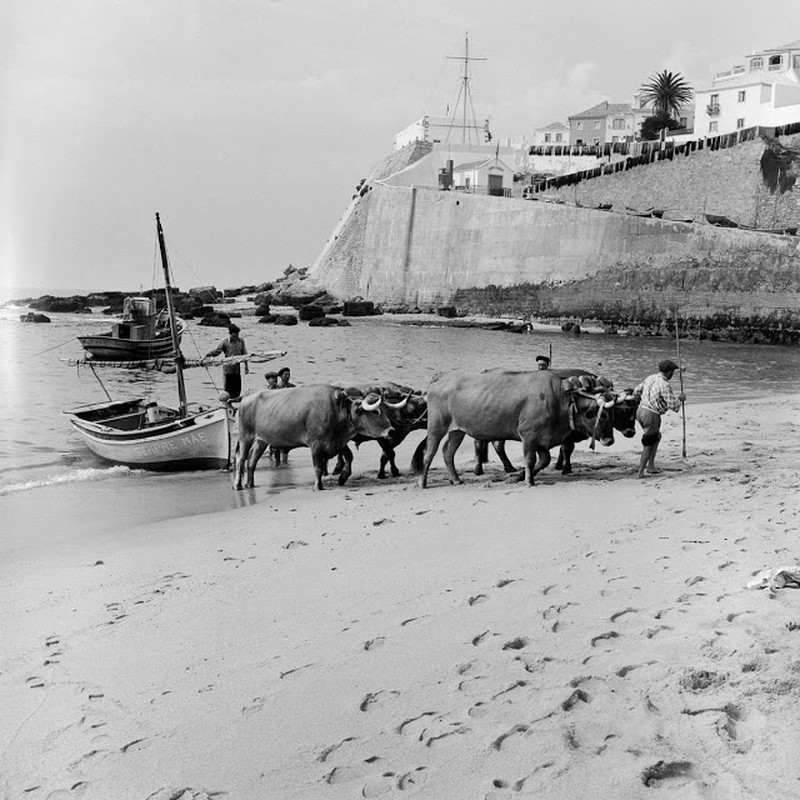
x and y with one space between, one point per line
76 476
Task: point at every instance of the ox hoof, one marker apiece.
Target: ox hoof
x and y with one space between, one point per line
382 476
396 473
479 470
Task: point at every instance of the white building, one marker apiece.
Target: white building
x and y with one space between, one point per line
485 176
554 133
763 91
444 130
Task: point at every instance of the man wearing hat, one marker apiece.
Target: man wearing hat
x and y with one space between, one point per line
655 399
542 362
232 346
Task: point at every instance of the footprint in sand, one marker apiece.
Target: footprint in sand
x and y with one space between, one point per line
375 700
256 705
375 644
412 780
327 751
661 771
480 638
603 636
75 792
479 598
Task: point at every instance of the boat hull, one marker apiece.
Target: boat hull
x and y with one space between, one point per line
119 433
106 347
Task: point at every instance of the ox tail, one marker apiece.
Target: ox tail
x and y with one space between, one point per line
416 459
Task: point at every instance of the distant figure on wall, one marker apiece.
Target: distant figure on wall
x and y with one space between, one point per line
232 373
542 362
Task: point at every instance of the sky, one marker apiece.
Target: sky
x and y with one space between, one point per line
248 123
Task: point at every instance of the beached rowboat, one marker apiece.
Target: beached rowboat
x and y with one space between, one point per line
145 435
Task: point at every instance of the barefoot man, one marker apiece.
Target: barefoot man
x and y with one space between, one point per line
656 398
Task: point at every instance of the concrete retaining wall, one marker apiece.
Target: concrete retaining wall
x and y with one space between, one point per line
417 245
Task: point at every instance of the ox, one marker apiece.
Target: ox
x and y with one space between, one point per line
322 418
531 407
407 412
624 420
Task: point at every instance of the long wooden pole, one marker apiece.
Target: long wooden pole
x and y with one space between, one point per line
182 406
680 376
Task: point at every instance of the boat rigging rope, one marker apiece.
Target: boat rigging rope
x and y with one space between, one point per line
54 347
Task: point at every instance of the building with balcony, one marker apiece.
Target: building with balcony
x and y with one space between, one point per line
764 91
602 124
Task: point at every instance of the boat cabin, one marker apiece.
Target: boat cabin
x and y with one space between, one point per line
139 319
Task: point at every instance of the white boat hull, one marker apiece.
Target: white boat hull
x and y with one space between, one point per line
197 441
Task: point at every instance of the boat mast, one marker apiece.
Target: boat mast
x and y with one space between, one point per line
172 327
465 94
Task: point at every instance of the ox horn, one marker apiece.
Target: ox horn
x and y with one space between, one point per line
371 406
401 404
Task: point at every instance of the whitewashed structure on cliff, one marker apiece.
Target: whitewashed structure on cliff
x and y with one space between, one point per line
764 92
444 130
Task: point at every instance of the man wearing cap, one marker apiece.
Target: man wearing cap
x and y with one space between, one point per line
232 374
542 362
655 399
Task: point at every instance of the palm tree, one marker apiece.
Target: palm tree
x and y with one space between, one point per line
668 91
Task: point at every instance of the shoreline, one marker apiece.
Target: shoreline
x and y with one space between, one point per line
488 640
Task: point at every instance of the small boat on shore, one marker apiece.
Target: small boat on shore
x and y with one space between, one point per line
142 333
721 221
143 434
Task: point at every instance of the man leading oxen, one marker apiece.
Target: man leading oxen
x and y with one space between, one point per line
320 417
406 409
624 420
536 408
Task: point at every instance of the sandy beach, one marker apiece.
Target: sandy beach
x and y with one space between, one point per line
589 637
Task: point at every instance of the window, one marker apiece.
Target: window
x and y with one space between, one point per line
775 62
558 137
618 124
547 137
797 62
742 96
580 126
740 123
756 63
684 122
714 100
712 127
597 125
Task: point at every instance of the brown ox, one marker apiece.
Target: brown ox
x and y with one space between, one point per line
406 410
624 420
322 418
531 407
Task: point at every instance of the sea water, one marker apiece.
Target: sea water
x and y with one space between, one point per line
39 450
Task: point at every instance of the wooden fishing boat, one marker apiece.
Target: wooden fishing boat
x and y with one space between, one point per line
142 433
142 333
721 221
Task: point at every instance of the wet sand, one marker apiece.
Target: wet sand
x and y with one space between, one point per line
591 636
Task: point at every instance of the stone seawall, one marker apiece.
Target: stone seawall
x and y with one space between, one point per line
504 256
